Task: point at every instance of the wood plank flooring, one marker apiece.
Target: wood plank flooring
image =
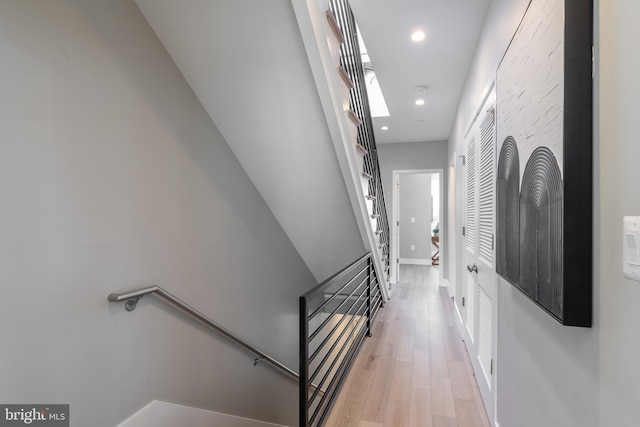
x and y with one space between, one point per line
415 370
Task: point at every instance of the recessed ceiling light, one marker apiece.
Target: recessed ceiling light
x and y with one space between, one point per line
419 101
418 36
385 128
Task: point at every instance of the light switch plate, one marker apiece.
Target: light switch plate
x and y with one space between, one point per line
631 247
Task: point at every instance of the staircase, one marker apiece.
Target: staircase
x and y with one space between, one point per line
258 68
344 61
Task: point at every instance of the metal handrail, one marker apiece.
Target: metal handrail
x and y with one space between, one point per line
132 298
339 343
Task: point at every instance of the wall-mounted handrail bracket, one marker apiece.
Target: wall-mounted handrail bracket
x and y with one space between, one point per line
131 303
257 360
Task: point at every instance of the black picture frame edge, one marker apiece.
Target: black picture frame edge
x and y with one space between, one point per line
578 164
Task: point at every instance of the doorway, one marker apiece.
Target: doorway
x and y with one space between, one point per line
417 214
479 291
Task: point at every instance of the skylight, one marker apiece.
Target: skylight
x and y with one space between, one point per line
376 99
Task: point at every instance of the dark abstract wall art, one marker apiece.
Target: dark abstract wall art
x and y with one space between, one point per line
544 171
508 212
541 231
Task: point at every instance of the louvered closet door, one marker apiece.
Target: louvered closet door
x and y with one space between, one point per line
471 236
486 223
479 254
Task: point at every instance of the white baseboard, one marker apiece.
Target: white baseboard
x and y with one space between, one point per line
455 307
415 261
164 414
445 284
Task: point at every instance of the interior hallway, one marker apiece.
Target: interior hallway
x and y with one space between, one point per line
415 370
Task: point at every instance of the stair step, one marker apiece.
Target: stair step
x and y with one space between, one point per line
378 232
375 216
345 77
369 197
335 28
367 176
354 117
361 150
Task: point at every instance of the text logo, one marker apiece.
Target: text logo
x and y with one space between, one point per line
35 415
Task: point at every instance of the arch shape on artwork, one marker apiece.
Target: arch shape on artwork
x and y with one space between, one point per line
541 218
508 212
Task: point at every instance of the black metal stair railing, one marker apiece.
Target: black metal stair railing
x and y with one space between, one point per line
351 61
335 318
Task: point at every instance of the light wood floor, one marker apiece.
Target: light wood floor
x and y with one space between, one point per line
415 370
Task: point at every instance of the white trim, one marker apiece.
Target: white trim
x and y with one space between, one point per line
457 308
485 97
415 261
164 414
138 415
445 284
452 224
395 253
394 266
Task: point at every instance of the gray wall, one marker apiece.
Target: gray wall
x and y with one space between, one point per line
616 180
415 202
547 373
417 155
112 176
257 86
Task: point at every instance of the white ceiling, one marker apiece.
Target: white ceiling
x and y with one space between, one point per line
440 62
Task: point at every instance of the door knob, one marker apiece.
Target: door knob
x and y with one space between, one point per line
472 268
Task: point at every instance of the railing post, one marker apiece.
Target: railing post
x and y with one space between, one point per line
304 363
370 273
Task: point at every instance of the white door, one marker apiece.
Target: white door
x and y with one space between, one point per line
397 257
470 233
480 280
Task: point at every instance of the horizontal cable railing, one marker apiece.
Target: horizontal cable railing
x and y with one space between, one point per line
351 61
131 299
335 317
